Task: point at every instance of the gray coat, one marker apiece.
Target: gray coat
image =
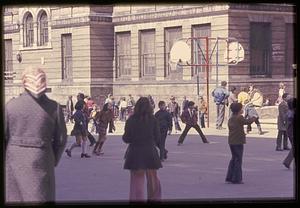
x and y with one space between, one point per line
282 116
35 136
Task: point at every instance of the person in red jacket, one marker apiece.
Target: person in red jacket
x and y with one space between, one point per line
190 118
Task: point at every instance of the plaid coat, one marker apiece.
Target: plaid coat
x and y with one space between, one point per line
35 137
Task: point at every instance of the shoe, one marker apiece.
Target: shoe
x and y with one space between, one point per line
166 156
286 148
68 152
85 155
206 142
260 133
179 144
92 144
287 166
279 149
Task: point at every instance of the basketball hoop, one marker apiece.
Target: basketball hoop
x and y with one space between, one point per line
180 52
234 53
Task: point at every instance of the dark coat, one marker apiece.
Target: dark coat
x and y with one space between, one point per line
80 125
282 116
35 133
164 119
187 119
142 137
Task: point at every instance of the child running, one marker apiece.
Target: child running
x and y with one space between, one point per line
103 118
250 112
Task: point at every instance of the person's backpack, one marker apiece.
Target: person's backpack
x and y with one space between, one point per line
218 95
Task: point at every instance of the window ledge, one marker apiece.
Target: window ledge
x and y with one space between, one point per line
31 48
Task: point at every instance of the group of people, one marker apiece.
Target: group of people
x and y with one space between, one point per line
242 112
36 135
250 98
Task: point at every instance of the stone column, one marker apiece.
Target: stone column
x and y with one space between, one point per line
159 51
135 71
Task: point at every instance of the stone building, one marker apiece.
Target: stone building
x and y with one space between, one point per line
73 44
124 49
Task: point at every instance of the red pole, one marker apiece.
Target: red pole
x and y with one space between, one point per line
207 81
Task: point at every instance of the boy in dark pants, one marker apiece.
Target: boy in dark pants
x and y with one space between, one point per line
165 123
236 141
190 118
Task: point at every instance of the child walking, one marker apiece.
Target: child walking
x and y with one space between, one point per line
165 124
236 141
79 130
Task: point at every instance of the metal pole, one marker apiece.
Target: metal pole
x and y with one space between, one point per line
198 88
207 81
217 63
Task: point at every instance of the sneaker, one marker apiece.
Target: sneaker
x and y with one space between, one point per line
179 144
68 152
85 155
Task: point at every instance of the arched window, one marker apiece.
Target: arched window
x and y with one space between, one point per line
28 24
43 29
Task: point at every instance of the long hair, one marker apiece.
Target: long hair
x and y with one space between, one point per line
105 107
143 109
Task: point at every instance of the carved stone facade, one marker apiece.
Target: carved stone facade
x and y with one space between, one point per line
95 60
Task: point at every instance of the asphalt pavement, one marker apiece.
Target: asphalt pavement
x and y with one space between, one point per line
192 172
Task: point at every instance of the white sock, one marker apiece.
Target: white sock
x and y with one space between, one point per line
84 147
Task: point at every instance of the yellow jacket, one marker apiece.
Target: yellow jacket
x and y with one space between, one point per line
242 96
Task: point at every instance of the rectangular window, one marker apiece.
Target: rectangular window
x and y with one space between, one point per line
199 47
66 49
29 34
171 36
147 52
289 49
8 64
260 49
43 33
123 54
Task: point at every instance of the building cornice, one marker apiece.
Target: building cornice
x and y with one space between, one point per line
80 21
171 14
263 7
